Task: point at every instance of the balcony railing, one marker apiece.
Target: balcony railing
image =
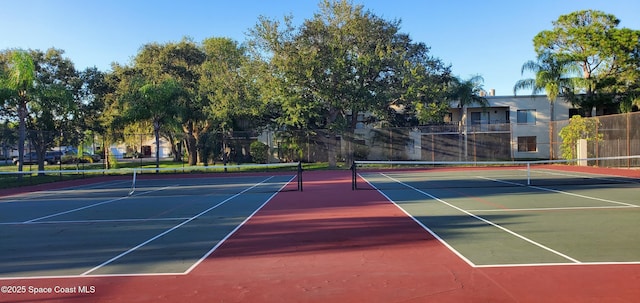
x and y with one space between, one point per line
455 128
495 127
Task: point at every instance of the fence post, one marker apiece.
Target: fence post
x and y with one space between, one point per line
300 176
354 176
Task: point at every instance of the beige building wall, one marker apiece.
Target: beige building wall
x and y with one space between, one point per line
527 116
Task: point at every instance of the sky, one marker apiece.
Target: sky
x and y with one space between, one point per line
489 38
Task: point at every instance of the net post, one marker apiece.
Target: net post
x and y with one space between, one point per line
528 173
300 176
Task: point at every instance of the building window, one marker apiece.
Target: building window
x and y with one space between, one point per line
476 118
526 116
527 144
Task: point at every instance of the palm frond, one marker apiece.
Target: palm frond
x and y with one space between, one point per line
22 72
526 84
553 75
530 66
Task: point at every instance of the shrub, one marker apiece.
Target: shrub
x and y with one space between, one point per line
113 161
578 128
259 151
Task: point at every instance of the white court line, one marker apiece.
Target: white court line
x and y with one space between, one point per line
461 256
90 186
486 221
95 221
561 192
235 229
549 208
96 276
171 229
26 196
186 272
151 274
588 176
92 205
557 264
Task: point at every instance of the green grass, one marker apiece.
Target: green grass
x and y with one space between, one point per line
323 166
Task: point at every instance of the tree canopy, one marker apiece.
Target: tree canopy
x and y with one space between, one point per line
344 62
608 56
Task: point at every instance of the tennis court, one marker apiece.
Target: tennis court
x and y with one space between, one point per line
407 234
518 216
157 225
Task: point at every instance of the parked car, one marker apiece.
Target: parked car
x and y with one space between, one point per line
72 157
50 157
95 157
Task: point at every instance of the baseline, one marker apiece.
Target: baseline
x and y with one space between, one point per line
564 256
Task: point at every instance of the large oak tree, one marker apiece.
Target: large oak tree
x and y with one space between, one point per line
343 62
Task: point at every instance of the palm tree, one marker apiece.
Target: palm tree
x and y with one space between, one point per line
552 76
467 92
18 82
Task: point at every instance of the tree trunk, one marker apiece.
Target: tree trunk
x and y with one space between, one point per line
192 149
329 140
203 149
38 141
177 151
225 154
22 129
175 147
106 151
350 137
331 151
191 144
551 125
156 132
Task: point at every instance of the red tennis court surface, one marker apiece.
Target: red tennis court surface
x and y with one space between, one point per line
332 244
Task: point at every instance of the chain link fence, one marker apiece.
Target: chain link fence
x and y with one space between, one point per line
617 135
614 136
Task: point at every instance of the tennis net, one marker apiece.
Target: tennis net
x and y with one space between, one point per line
181 178
441 174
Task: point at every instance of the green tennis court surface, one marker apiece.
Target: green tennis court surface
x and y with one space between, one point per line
166 226
491 217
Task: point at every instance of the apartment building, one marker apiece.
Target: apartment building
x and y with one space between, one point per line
508 128
524 118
